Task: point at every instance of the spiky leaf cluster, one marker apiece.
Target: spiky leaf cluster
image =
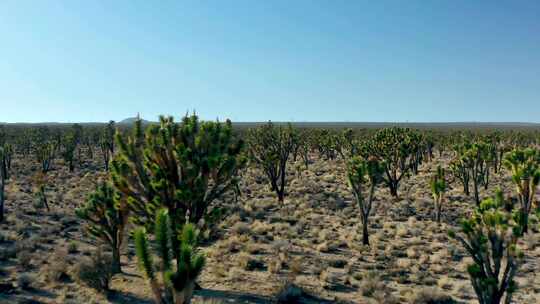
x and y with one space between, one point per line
178 280
183 167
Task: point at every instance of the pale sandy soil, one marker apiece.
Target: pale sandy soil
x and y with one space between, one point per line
311 240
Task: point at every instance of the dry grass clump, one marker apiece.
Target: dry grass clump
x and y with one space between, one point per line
240 228
95 272
289 293
72 247
248 263
371 283
24 259
430 296
56 268
25 281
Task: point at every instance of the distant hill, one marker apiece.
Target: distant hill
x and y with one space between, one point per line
131 120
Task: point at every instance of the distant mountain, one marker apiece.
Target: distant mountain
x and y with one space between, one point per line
131 120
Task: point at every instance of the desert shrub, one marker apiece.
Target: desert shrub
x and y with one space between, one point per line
430 296
241 228
247 262
7 253
384 296
289 293
371 283
73 247
24 259
95 271
25 281
56 269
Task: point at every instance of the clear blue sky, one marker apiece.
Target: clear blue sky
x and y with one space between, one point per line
270 60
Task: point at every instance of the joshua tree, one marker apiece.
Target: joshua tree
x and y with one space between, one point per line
108 133
106 215
183 167
438 189
476 160
177 282
348 144
459 171
107 143
327 143
3 178
68 152
270 148
524 164
6 159
105 152
471 164
363 175
40 181
490 237
395 148
45 153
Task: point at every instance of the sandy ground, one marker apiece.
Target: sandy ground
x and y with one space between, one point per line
312 240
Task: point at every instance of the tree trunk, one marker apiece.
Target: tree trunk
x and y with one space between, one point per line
524 221
365 234
393 188
116 266
476 196
281 196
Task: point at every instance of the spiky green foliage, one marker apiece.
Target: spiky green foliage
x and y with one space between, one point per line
178 281
270 147
363 176
524 165
106 217
438 189
397 148
490 237
183 167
